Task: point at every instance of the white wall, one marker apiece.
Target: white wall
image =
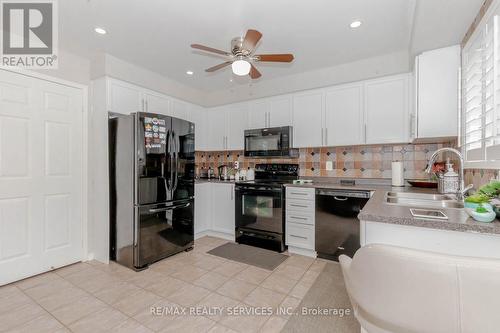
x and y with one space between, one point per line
71 68
108 65
389 64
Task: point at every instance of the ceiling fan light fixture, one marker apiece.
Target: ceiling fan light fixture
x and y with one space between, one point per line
241 67
355 24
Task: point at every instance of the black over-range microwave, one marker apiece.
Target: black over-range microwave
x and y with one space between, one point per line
270 142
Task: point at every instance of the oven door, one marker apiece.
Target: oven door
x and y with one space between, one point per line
259 208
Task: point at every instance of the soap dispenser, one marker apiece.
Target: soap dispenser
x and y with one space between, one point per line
450 179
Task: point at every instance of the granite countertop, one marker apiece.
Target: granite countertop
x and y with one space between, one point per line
377 210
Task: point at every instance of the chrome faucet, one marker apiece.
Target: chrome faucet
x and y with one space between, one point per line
462 190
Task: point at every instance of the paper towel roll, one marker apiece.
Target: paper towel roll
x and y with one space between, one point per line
398 177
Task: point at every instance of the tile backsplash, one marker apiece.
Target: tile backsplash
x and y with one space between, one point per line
352 161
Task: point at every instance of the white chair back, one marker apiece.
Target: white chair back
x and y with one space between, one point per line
396 289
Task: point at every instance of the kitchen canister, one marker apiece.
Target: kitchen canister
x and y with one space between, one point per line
398 177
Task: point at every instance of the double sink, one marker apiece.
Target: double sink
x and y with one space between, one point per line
426 200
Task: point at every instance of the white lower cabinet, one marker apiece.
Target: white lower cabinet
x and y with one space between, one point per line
214 210
458 243
223 208
300 224
202 209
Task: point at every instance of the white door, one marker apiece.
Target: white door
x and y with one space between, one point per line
223 208
280 113
236 117
40 176
156 103
387 110
258 112
124 98
344 115
308 119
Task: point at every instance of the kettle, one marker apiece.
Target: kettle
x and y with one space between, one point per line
223 172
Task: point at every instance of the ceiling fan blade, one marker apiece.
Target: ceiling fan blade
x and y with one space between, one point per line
209 49
251 39
275 57
219 66
254 73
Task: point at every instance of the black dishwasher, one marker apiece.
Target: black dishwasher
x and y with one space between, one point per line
337 224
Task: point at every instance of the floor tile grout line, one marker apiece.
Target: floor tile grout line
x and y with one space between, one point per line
305 268
47 311
88 294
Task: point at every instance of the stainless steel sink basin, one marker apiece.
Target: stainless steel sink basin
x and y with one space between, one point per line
425 200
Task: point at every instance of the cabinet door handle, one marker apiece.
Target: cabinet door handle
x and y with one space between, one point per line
326 136
232 192
322 136
298 193
301 206
299 218
302 237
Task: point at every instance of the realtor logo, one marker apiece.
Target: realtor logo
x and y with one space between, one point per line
29 33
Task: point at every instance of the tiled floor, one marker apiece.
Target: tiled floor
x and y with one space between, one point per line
93 297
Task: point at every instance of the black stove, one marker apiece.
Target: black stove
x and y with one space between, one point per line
260 204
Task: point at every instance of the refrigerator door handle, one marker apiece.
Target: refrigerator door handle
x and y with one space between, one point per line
164 209
169 159
172 152
175 138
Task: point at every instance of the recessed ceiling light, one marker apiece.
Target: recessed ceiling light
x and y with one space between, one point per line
355 24
189 72
100 31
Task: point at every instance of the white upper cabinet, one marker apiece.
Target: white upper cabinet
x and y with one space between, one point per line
270 112
157 103
179 109
124 97
216 120
280 111
198 116
258 113
436 74
236 123
344 115
387 110
307 118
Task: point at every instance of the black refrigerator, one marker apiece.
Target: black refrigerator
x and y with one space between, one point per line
151 172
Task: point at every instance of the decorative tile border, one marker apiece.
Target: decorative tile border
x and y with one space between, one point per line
350 161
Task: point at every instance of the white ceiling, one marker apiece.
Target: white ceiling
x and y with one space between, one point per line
156 34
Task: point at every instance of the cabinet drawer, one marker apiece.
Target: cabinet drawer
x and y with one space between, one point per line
300 217
300 236
300 205
300 193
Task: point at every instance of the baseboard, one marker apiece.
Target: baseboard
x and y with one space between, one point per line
213 233
303 252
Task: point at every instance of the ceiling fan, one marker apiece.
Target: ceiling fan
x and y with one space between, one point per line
242 57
